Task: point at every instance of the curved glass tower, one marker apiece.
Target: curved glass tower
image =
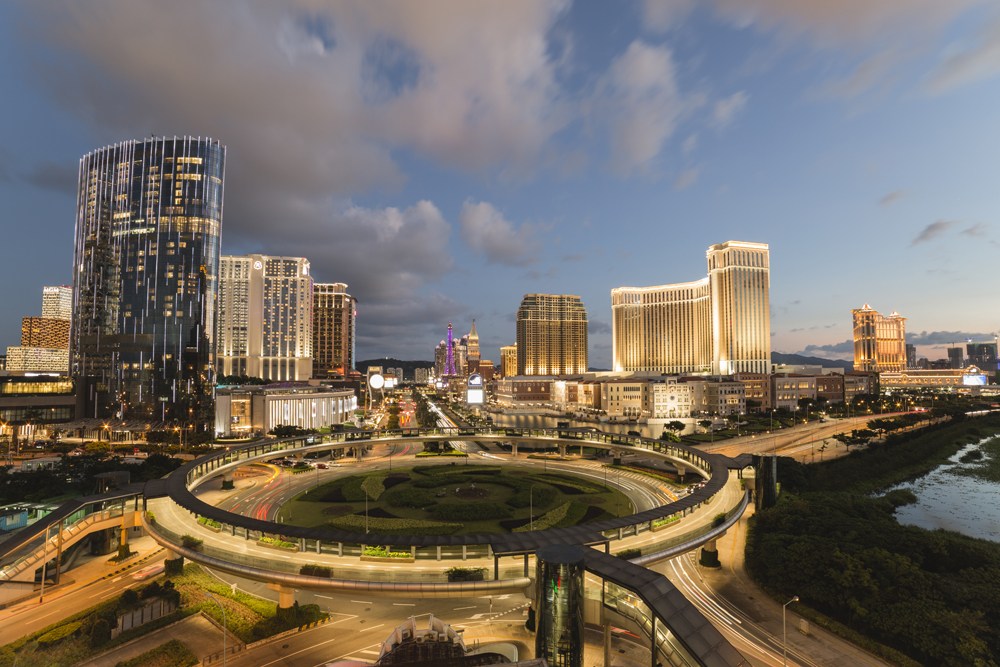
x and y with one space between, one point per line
145 277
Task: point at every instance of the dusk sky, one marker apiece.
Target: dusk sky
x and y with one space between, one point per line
444 158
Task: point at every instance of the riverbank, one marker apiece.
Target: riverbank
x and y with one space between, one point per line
924 594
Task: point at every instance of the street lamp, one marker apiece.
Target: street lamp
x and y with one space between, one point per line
225 626
784 631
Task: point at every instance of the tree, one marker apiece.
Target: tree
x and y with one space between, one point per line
705 424
675 426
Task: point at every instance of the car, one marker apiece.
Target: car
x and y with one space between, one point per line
322 466
147 572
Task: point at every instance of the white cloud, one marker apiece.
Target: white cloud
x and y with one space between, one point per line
486 231
969 64
660 15
686 178
725 110
644 104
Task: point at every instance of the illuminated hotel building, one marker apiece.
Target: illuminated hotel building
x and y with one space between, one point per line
508 361
551 335
45 340
720 324
149 216
879 341
265 317
333 329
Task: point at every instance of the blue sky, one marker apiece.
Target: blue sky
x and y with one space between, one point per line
444 158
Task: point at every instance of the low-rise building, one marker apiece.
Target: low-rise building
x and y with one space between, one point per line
790 388
716 395
968 378
250 409
668 398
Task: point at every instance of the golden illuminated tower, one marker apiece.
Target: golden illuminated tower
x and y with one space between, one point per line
334 314
719 324
879 341
551 335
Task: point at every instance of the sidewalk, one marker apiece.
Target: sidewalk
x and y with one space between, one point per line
732 582
201 636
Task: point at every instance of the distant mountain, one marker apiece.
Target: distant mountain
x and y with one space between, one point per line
800 360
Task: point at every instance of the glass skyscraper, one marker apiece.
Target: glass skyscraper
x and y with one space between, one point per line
145 277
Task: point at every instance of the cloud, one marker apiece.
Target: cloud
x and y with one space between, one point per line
840 21
686 178
597 327
968 64
890 198
976 230
641 98
843 347
51 176
945 337
486 231
933 230
725 110
690 144
660 15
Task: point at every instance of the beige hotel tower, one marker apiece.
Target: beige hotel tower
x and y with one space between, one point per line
720 324
264 317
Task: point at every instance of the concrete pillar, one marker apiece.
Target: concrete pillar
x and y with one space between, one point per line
413 553
607 644
525 565
227 480
710 554
513 449
438 552
652 647
465 551
496 568
286 595
562 450
681 469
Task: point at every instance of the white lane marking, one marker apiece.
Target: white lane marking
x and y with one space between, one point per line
370 652
462 608
404 604
325 597
362 601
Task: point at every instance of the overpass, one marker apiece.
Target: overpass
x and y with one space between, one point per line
328 545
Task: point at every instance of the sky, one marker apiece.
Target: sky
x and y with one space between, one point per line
444 158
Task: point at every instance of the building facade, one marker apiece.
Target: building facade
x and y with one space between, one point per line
145 272
333 327
879 341
719 324
260 408
508 361
57 302
551 335
265 317
45 340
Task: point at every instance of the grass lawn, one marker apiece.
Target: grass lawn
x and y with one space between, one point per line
455 500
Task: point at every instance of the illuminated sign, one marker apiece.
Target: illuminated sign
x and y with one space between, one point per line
475 380
376 381
974 380
474 396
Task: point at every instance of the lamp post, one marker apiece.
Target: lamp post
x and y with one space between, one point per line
225 626
784 631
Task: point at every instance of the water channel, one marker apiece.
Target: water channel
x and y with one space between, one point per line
961 503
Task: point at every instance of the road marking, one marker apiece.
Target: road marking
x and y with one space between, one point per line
461 608
404 604
361 601
325 597
370 652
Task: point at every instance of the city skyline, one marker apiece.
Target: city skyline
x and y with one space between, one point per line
609 147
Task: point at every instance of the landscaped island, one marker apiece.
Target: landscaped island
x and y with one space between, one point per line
456 499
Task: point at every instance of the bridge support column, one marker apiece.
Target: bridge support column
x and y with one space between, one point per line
525 565
710 554
173 563
652 646
513 449
438 552
562 451
559 595
413 553
681 470
227 481
496 567
607 644
286 595
465 552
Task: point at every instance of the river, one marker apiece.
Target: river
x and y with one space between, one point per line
962 503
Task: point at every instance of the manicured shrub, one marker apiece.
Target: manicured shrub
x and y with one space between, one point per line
469 511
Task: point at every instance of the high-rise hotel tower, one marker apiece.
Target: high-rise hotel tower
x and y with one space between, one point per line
551 335
145 265
720 324
879 341
334 314
265 317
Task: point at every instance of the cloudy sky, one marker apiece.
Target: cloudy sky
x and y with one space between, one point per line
444 158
